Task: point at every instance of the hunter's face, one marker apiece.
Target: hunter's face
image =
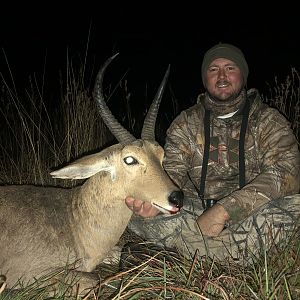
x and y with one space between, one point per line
224 79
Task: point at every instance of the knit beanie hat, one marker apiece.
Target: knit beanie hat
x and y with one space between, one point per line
227 51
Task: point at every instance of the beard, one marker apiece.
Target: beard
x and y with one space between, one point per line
230 98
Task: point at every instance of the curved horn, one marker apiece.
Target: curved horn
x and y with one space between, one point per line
120 133
148 131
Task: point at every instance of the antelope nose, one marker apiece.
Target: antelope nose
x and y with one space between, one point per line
176 198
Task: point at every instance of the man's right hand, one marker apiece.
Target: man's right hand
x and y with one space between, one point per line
142 208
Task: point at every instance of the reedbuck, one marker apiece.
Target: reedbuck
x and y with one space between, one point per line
42 228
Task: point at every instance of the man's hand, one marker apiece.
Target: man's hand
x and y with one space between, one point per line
142 208
213 220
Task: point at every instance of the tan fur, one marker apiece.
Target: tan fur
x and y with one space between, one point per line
46 227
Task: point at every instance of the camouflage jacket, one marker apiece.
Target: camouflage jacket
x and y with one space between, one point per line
272 157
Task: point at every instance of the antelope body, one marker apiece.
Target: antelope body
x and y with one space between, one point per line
42 228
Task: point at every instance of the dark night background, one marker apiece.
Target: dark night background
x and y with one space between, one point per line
148 38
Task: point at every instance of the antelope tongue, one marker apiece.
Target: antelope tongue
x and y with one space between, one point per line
167 210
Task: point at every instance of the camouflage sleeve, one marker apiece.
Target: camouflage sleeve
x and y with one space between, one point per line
178 152
279 161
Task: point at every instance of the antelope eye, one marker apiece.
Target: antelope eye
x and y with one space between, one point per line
129 160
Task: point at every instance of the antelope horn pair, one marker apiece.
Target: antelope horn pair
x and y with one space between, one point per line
121 134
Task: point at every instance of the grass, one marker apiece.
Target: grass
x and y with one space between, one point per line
35 138
285 96
161 274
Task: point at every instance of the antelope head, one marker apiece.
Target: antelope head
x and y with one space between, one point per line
135 165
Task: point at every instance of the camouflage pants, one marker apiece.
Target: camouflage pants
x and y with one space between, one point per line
273 222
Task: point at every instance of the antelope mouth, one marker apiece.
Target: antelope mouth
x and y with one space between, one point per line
167 210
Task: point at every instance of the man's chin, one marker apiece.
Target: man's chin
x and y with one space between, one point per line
224 97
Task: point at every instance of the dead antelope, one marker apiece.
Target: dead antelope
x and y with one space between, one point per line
42 228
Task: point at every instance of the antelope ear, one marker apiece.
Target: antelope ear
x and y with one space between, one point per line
86 167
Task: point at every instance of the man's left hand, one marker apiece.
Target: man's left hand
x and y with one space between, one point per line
213 220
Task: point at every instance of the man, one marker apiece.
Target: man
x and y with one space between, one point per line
237 161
